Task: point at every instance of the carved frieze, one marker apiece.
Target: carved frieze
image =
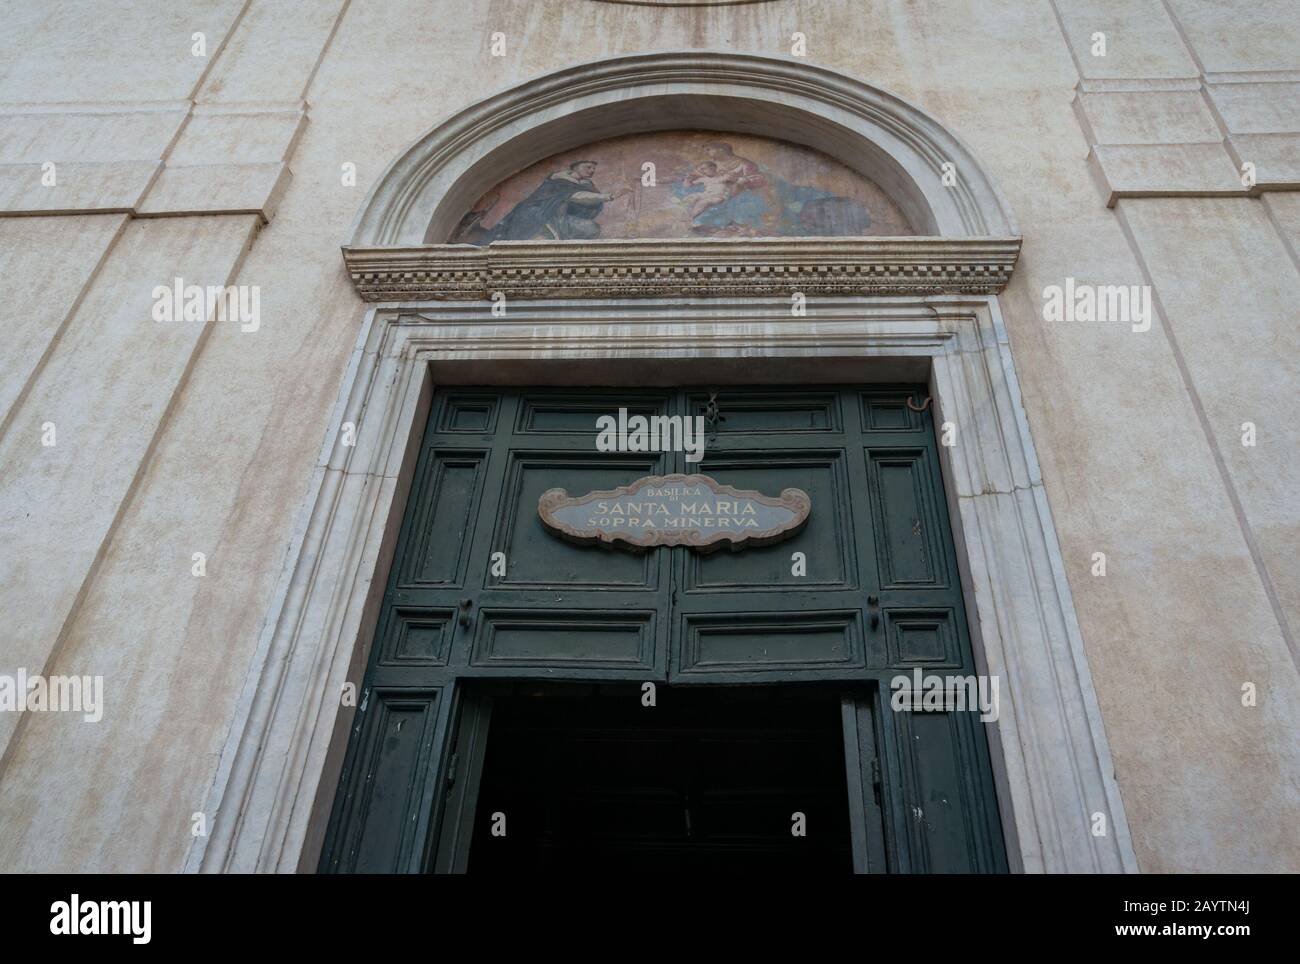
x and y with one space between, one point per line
684 268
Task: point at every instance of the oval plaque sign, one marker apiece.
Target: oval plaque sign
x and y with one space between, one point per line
675 510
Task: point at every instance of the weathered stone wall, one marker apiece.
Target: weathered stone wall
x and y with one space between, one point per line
229 168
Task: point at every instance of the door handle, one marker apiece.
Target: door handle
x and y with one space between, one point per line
873 610
465 605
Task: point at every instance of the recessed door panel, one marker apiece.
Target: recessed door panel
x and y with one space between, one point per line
763 413
536 557
473 413
566 638
420 636
949 833
826 541
381 810
447 501
922 637
576 414
889 412
771 642
909 538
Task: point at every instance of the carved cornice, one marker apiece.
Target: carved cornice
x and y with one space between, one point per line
685 268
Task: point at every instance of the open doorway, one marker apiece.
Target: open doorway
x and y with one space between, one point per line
584 777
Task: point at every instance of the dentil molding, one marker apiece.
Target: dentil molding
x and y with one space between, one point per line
683 268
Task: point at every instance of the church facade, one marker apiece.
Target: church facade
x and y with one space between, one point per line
575 435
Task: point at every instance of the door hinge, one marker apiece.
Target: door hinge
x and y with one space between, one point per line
451 769
875 778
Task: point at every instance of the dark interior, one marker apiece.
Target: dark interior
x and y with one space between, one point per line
707 780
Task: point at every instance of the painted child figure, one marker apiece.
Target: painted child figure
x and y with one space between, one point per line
717 188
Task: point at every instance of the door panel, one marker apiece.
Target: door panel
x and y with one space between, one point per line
379 813
535 557
771 412
558 413
468 412
826 540
887 410
940 765
464 772
417 637
568 638
770 643
863 776
922 637
763 613
449 496
910 547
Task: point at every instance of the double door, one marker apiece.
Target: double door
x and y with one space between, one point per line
481 595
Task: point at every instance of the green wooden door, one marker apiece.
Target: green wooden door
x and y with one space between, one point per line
479 590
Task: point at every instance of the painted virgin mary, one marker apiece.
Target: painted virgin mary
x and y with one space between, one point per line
563 207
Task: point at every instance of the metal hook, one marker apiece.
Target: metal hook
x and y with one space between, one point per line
711 408
712 415
924 405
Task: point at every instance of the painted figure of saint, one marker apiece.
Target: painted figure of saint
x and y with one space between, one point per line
563 207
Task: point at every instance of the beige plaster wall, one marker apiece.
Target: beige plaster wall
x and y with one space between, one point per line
180 438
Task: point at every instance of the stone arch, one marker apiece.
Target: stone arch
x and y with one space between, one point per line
419 198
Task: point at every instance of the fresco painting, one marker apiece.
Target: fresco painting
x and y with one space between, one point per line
705 185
